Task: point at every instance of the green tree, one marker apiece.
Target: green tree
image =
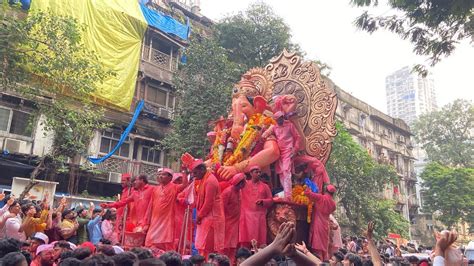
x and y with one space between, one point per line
434 27
446 135
204 87
449 191
255 36
45 61
360 181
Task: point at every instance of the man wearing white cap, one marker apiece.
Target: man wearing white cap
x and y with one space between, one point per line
36 240
161 229
44 256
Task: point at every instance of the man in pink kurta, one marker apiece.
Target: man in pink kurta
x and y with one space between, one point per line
324 205
141 198
161 228
179 210
210 214
231 199
256 198
127 190
288 140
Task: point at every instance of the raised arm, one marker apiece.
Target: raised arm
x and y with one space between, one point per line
374 253
118 204
282 239
313 196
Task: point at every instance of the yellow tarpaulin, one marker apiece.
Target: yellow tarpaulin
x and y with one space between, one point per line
115 30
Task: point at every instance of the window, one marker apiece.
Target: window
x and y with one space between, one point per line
109 140
15 122
151 155
4 119
171 101
156 95
376 127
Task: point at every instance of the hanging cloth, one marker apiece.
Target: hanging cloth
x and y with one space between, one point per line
123 137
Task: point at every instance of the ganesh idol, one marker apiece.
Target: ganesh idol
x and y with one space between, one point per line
241 141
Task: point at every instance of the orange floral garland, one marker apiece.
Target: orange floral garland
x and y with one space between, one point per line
298 196
256 124
221 137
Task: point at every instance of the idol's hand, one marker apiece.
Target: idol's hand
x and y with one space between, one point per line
227 172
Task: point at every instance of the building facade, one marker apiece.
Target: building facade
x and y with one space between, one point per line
160 56
387 140
409 95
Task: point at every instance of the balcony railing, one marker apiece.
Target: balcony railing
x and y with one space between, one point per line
159 59
401 199
124 165
413 202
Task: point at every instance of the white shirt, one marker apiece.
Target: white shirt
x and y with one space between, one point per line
438 261
2 218
4 209
12 225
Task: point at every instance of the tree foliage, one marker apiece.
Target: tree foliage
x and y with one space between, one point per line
45 60
255 36
446 135
450 192
360 181
433 27
204 87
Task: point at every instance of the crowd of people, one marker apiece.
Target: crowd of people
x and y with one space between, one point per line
229 227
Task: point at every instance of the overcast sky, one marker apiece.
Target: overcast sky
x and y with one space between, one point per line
360 61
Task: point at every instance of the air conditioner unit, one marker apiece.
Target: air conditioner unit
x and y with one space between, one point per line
115 177
13 145
165 113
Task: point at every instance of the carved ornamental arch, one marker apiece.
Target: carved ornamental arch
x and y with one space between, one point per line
316 106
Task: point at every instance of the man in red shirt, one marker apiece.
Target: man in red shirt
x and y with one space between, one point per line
141 198
162 222
231 199
210 214
324 205
256 199
127 190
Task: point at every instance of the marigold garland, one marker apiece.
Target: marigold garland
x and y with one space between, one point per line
256 124
298 196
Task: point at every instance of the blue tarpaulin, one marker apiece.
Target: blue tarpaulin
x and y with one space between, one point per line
123 137
165 23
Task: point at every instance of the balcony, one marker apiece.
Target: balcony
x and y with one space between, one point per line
119 165
159 59
156 112
401 199
413 203
157 64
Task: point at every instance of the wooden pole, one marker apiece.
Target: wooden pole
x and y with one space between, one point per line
124 218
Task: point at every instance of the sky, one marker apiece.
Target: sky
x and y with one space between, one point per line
360 61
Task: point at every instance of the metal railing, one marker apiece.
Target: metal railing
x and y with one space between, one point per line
159 59
124 165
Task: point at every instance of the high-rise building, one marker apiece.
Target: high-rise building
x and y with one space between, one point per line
409 95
